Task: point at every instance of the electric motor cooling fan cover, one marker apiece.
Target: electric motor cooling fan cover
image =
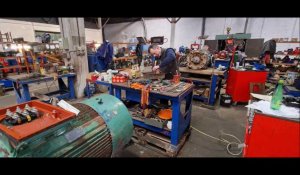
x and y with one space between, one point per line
197 59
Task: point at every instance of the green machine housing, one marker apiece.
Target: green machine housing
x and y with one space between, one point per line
101 129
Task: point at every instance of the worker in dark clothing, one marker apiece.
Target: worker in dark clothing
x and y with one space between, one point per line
167 58
139 53
168 63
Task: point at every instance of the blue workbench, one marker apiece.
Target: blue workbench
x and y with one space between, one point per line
291 90
65 92
222 62
214 81
6 83
103 83
180 119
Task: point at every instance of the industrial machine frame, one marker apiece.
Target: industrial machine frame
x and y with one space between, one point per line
64 91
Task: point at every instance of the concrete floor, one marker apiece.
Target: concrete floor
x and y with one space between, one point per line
213 122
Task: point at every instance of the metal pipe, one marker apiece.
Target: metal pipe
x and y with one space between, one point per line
169 20
145 28
262 26
172 38
78 32
104 23
203 26
246 25
99 25
173 25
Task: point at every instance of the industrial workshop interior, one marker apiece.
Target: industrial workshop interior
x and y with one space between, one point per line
144 87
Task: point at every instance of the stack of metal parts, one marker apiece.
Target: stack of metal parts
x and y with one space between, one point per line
183 61
149 115
101 129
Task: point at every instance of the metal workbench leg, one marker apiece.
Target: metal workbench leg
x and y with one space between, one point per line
118 93
18 93
212 91
71 87
87 86
219 84
188 106
111 91
175 122
61 84
26 94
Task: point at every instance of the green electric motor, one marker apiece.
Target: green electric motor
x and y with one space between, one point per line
101 129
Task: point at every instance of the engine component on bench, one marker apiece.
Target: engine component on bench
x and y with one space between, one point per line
101 129
198 59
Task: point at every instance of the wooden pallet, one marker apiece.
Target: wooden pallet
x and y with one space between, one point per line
158 142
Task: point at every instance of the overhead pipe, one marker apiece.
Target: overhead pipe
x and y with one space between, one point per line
203 26
246 25
173 23
145 28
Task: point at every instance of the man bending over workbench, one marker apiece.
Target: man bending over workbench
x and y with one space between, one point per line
168 63
167 58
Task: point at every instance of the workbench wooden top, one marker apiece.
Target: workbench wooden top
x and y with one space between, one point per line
15 67
125 58
208 71
16 78
171 94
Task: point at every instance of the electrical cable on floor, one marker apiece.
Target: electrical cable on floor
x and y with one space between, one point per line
229 144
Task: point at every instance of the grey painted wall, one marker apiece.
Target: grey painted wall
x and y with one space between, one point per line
188 29
52 20
26 30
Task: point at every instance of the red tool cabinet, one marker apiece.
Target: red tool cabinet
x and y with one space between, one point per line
271 136
238 83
